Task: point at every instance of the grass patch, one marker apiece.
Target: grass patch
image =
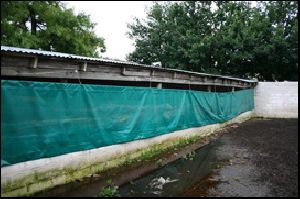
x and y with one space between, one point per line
109 190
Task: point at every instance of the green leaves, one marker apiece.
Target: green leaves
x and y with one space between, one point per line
56 28
233 38
109 190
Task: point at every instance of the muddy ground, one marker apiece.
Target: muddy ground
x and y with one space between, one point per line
257 158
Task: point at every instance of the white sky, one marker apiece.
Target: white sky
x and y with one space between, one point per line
112 18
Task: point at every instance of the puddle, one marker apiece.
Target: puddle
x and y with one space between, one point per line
174 178
202 188
237 164
179 172
218 169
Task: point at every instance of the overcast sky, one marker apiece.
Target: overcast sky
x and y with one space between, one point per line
112 18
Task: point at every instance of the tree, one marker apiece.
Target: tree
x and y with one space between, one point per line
234 38
169 34
48 25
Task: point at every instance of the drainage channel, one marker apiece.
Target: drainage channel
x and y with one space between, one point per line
168 175
246 160
174 178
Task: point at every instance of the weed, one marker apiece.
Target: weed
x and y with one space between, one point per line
109 190
190 156
128 161
151 153
160 163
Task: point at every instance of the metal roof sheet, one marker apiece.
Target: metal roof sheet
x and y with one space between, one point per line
72 56
64 55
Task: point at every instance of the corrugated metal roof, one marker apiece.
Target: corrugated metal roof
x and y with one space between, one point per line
72 56
64 55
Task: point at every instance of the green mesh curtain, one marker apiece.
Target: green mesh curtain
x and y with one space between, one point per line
41 119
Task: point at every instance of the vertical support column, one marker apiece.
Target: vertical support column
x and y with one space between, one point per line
35 62
174 75
232 89
152 73
150 77
123 72
159 86
209 88
83 66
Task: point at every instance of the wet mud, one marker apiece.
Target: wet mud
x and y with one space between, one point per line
259 158
256 158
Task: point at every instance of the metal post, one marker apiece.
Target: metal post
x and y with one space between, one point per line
209 88
83 66
35 63
159 86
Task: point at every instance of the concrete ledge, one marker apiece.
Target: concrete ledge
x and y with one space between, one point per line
30 177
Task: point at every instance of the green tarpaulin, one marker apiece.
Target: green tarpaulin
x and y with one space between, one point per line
41 119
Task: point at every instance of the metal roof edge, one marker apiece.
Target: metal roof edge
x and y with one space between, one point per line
77 57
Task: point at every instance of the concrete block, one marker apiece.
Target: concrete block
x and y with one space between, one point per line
276 99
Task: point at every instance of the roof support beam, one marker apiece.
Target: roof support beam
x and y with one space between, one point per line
58 68
83 66
35 62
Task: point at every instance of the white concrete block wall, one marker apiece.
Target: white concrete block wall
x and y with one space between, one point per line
276 99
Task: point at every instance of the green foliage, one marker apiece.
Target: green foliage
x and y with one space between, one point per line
148 154
48 25
109 190
221 37
190 156
160 163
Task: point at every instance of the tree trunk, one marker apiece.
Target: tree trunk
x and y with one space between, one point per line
33 22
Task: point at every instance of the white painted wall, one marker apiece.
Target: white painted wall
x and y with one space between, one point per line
276 99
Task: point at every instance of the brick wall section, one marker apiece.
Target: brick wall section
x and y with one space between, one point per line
276 99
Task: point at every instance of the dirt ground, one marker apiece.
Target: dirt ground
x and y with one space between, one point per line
256 158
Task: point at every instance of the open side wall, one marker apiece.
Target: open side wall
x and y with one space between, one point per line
58 127
40 119
29 177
